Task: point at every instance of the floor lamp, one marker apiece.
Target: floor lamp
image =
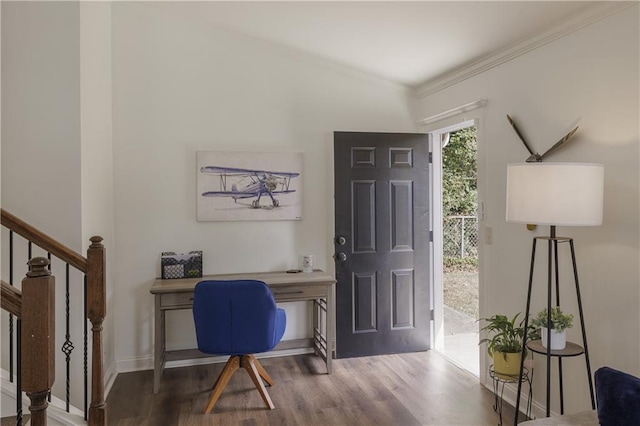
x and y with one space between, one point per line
555 194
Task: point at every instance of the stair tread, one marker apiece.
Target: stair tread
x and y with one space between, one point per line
11 421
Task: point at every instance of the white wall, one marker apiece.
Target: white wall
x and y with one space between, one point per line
181 87
40 110
57 153
97 148
588 78
41 152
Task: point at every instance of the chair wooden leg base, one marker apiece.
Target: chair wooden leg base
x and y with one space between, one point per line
263 373
250 363
256 372
229 368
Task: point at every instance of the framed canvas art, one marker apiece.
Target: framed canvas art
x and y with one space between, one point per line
248 186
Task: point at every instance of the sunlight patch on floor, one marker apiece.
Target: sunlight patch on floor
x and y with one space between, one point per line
461 340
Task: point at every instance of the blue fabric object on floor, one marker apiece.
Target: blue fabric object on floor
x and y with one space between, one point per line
236 317
618 396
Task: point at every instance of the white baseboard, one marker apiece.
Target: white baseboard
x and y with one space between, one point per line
538 410
56 413
109 378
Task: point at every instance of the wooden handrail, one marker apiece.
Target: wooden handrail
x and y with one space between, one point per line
11 299
43 241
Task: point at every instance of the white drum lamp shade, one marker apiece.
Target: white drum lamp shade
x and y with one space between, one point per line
557 194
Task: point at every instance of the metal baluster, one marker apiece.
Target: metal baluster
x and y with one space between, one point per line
86 370
67 347
19 374
49 267
11 315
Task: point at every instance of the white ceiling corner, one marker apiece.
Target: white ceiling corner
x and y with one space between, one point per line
423 45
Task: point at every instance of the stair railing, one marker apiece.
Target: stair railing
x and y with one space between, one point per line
93 268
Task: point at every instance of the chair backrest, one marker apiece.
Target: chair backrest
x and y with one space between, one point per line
234 317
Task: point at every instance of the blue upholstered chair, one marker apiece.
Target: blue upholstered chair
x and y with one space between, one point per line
237 318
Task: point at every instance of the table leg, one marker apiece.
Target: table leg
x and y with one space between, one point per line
159 345
316 326
330 323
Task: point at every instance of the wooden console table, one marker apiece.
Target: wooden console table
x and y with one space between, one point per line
317 286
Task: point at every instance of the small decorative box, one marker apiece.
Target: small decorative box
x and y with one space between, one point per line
181 265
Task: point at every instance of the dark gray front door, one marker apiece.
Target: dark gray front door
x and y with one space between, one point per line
382 193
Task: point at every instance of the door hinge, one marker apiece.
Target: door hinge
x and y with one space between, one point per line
430 157
432 316
430 236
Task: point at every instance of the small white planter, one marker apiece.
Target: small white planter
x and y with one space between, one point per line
558 340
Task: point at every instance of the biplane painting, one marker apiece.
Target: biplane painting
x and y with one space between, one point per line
249 186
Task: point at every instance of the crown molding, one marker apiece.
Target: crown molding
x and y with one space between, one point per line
480 103
589 15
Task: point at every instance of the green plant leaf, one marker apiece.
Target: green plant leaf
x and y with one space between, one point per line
504 334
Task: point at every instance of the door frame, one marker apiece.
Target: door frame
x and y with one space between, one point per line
437 126
439 139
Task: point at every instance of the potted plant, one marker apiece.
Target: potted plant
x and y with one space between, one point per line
559 324
505 342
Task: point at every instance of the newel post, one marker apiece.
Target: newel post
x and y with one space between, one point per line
96 312
38 337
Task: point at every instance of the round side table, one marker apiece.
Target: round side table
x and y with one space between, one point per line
499 380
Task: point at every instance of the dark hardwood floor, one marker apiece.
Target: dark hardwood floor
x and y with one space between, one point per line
407 389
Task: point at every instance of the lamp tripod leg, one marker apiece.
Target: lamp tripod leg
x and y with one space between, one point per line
583 329
526 329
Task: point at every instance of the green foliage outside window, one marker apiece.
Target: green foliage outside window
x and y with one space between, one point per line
459 174
459 201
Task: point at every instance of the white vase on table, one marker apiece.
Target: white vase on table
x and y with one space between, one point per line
558 339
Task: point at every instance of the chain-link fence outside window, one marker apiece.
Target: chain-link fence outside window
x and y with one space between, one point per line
460 236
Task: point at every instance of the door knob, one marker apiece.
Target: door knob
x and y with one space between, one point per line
341 241
341 257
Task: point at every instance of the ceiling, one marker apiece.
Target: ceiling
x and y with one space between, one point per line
410 43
